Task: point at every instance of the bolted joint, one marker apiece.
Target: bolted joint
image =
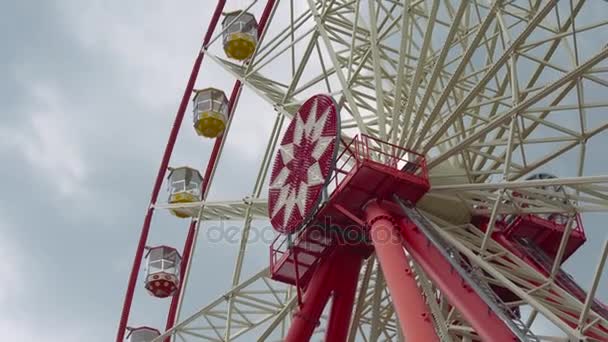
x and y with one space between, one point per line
374 213
382 217
307 319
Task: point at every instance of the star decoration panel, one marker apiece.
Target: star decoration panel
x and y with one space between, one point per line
303 164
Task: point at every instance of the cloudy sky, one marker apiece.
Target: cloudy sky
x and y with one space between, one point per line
89 90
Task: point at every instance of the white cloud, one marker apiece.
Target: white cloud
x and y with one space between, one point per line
155 61
48 141
16 324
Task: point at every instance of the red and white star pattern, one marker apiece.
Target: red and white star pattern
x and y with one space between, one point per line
303 164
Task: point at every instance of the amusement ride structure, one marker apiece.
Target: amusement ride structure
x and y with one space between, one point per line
412 175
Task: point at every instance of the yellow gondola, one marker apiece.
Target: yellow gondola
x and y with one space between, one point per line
210 112
240 35
184 187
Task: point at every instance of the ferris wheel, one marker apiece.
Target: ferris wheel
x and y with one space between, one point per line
427 174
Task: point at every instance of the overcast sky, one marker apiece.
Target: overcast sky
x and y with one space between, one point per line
89 90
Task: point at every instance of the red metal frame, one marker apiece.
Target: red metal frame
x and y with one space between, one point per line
487 324
315 298
339 273
369 168
162 170
359 151
345 290
547 233
211 165
412 312
122 325
562 279
307 245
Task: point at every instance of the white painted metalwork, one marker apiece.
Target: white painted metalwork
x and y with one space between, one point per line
490 91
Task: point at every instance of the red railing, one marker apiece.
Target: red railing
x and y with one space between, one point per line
369 149
558 221
278 249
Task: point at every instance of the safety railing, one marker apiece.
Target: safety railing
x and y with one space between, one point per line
278 248
365 148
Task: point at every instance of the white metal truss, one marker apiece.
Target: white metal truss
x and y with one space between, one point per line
495 90
225 210
542 293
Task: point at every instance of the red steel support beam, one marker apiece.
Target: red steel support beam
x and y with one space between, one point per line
346 276
211 165
315 298
124 318
487 324
410 306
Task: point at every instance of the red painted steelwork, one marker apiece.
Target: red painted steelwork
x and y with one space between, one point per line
345 288
547 234
211 165
542 264
312 245
369 169
315 298
488 325
122 325
412 311
303 163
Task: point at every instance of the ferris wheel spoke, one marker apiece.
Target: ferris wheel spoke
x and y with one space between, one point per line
362 291
377 318
435 74
258 300
496 67
454 78
222 210
557 304
567 80
536 75
376 61
418 73
580 194
336 64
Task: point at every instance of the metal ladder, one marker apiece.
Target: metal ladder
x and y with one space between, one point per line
469 274
440 324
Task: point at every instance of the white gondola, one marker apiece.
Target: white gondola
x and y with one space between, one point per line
162 273
142 334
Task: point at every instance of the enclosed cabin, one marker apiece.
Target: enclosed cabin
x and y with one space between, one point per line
162 271
545 231
210 112
240 35
142 334
184 187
